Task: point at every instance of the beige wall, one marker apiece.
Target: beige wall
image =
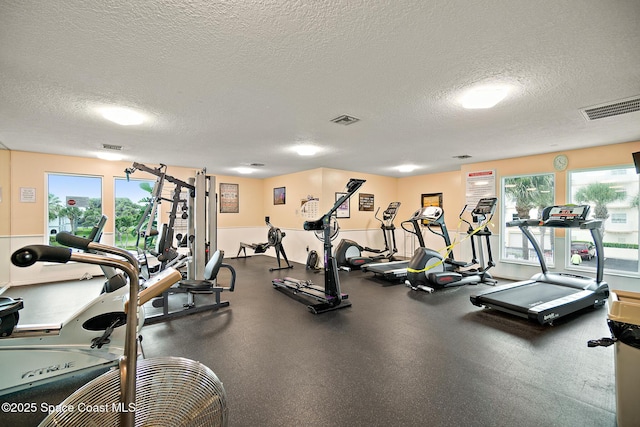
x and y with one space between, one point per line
29 170
28 220
297 186
323 183
5 192
24 223
256 195
383 188
5 214
587 158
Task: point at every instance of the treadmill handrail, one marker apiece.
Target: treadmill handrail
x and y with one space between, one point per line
416 230
596 235
593 225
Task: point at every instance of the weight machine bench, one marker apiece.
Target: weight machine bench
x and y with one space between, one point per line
208 286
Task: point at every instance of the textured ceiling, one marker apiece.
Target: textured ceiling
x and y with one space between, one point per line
228 83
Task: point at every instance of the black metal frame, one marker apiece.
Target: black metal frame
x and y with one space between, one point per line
330 298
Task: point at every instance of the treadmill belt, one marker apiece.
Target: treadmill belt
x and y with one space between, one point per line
383 267
523 298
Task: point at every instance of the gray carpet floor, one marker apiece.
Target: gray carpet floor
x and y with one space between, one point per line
394 358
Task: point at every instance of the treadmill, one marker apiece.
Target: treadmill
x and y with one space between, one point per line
548 296
396 271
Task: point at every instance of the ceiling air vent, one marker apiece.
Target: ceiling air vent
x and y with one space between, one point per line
345 120
112 147
615 108
462 156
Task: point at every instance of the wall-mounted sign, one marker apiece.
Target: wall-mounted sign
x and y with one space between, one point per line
366 202
480 184
27 194
78 201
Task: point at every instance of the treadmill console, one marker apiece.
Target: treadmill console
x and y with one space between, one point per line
429 213
565 216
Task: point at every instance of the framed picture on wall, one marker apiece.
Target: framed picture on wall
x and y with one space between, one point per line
229 199
279 196
366 202
344 211
430 199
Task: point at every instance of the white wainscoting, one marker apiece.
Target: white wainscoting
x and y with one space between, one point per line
296 243
5 256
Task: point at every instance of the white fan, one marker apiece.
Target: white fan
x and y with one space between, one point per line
334 229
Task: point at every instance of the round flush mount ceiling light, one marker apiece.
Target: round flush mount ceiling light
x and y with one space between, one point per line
485 96
244 170
113 157
122 115
407 168
307 150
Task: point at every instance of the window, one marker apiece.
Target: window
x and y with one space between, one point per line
75 204
131 199
524 197
619 218
613 196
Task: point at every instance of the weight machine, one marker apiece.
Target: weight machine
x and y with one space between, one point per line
199 209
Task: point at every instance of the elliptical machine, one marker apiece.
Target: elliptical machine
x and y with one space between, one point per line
428 270
349 255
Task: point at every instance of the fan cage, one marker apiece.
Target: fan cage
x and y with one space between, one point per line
170 391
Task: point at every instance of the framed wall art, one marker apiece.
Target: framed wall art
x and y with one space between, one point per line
280 196
344 210
229 198
366 202
430 199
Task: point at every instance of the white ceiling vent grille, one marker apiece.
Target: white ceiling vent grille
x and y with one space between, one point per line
345 120
112 147
615 108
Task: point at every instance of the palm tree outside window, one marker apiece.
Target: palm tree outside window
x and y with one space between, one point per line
524 197
613 196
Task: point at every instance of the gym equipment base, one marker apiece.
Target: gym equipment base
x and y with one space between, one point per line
308 293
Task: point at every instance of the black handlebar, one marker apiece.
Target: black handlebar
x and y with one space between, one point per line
71 240
29 255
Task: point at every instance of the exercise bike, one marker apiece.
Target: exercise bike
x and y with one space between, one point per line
91 338
145 392
350 255
428 270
